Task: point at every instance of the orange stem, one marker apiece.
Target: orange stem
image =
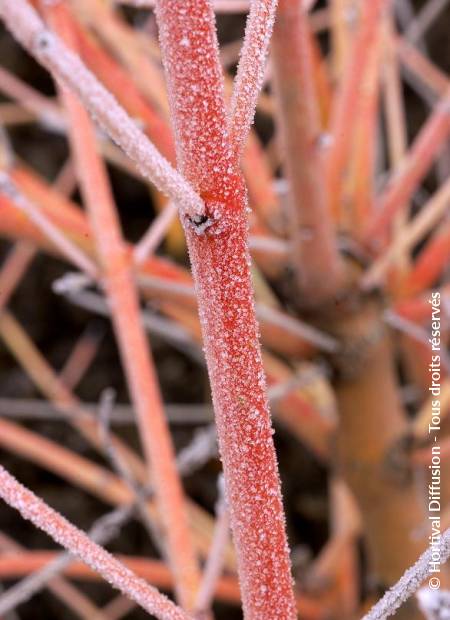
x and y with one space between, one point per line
416 164
347 99
118 282
318 270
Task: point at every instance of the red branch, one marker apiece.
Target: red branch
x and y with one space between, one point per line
401 188
220 263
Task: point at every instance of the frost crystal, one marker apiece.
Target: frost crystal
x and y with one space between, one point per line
435 604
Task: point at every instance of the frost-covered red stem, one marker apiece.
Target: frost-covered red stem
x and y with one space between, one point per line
220 262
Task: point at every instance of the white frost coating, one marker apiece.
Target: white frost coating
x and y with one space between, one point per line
25 24
435 604
250 73
409 583
78 543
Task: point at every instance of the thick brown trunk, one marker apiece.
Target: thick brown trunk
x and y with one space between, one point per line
369 450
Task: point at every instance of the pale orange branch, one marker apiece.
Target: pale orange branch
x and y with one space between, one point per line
78 543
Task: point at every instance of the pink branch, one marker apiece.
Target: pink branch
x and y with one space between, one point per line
155 233
250 74
30 99
318 273
77 542
13 269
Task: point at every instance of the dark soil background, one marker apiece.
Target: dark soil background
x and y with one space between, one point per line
54 325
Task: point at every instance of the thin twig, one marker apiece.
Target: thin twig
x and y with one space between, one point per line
415 165
35 409
424 76
31 100
414 331
104 529
410 582
250 72
155 233
414 31
60 587
201 449
28 28
67 248
214 562
295 326
158 325
424 19
78 543
14 267
141 495
405 13
82 355
411 234
396 126
347 100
